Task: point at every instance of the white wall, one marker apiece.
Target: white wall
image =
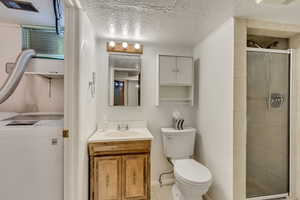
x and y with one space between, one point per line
156 117
32 94
87 103
215 110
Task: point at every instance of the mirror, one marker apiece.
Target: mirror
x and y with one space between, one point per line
125 80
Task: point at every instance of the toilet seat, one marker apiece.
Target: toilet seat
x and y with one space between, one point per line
191 172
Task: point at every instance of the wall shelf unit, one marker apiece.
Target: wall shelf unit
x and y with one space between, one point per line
175 79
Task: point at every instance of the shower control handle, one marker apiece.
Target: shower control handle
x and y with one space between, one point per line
276 100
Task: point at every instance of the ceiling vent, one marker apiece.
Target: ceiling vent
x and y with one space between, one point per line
278 2
19 5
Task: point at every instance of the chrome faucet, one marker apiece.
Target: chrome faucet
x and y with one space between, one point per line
123 127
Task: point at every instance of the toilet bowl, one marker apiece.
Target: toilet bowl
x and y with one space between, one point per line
192 180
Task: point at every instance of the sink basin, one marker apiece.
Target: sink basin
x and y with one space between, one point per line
122 133
116 135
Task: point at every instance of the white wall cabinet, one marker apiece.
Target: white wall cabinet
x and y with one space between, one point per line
168 70
175 80
185 70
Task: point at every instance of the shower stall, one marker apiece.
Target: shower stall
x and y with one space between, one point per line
268 123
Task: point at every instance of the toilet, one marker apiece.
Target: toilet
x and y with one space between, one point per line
192 179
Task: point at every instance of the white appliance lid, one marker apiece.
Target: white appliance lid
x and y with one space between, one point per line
5 115
192 171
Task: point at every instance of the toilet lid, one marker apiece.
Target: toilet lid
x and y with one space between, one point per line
192 171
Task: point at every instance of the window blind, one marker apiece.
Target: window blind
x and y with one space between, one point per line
44 41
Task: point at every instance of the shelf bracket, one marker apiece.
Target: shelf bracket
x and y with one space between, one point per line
9 67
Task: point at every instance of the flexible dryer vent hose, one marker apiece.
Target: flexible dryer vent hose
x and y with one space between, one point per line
16 75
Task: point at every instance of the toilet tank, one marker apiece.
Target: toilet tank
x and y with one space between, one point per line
178 143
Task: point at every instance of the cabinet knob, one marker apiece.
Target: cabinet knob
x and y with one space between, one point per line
107 180
134 178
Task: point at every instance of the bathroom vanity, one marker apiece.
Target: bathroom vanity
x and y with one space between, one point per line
120 164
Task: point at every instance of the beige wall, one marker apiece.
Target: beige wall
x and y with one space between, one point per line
215 111
32 94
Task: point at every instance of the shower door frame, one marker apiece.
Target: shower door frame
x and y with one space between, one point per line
291 133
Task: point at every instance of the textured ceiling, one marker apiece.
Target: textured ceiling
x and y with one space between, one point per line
271 12
177 21
183 22
167 21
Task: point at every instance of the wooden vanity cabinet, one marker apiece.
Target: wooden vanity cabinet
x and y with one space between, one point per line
107 177
120 170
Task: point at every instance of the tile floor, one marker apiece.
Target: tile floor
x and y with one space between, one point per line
161 193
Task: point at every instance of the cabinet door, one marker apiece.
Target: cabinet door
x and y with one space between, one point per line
107 183
167 69
185 70
135 177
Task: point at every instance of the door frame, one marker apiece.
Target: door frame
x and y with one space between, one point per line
71 108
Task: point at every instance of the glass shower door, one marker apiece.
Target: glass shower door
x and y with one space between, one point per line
267 124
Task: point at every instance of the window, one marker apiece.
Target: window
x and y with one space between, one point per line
44 41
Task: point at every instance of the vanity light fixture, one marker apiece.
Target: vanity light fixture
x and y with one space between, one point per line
124 47
112 44
137 45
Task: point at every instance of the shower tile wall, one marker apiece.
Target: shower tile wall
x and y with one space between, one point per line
267 127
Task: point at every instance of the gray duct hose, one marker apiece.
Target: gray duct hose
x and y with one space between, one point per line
16 75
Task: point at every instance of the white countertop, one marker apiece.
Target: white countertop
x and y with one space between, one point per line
111 135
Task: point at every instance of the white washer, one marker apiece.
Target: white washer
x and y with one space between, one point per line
31 166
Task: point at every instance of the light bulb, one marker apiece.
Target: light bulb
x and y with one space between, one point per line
137 45
112 44
124 45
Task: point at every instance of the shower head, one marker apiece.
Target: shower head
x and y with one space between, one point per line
20 5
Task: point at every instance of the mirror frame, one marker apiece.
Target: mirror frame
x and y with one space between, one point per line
111 72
